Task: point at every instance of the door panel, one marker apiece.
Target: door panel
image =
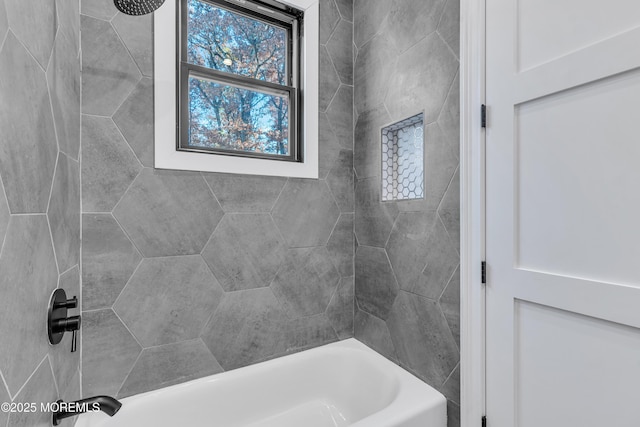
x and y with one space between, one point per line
563 213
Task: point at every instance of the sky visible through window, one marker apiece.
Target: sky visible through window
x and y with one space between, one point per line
222 116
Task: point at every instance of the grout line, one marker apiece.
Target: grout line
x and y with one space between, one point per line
127 328
28 379
3 383
126 140
129 373
135 270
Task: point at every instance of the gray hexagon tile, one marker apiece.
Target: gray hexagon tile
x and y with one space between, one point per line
449 26
108 260
134 118
108 72
434 62
109 352
136 33
99 9
340 245
168 213
453 414
329 79
451 387
440 164
65 364
245 193
449 210
374 220
29 275
374 72
368 17
422 338
329 18
367 142
4 27
345 7
4 216
63 77
69 21
245 251
328 146
169 300
305 283
309 332
376 286
70 394
340 311
449 119
27 167
341 181
40 388
169 364
374 333
25 16
410 21
247 327
64 212
306 213
4 394
450 304
409 246
339 47
108 164
340 115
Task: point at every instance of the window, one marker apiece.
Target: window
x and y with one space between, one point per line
246 79
238 80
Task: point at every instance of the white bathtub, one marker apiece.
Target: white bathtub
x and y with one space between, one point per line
339 384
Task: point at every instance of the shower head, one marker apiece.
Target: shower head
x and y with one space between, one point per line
137 7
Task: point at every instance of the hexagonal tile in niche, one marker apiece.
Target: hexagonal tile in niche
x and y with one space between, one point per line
245 251
168 213
306 213
169 299
306 282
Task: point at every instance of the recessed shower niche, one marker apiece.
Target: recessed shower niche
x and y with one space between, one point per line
403 160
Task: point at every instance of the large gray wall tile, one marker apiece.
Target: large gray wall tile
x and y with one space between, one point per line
306 281
453 414
368 17
34 23
451 387
422 338
245 193
108 353
341 181
367 142
4 27
346 9
329 79
29 276
340 115
449 26
168 300
108 72
309 332
245 251
246 328
328 146
40 388
168 213
69 21
306 213
71 394
64 212
134 118
108 164
434 62
108 260
329 18
4 396
374 333
63 77
376 286
169 364
28 145
63 361
99 9
340 311
4 214
374 219
410 21
136 33
340 245
339 47
450 304
373 73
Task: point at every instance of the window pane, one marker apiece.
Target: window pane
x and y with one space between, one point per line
228 41
231 118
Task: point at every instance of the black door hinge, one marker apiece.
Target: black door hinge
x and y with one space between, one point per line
483 115
483 271
484 421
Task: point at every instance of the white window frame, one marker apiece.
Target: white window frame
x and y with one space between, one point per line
165 99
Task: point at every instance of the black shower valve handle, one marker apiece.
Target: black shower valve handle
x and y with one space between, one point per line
70 303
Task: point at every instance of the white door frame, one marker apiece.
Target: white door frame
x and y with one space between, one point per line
472 204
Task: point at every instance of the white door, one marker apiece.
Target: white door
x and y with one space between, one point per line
563 213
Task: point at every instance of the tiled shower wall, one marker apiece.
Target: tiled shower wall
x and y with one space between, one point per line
39 199
407 258
188 274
